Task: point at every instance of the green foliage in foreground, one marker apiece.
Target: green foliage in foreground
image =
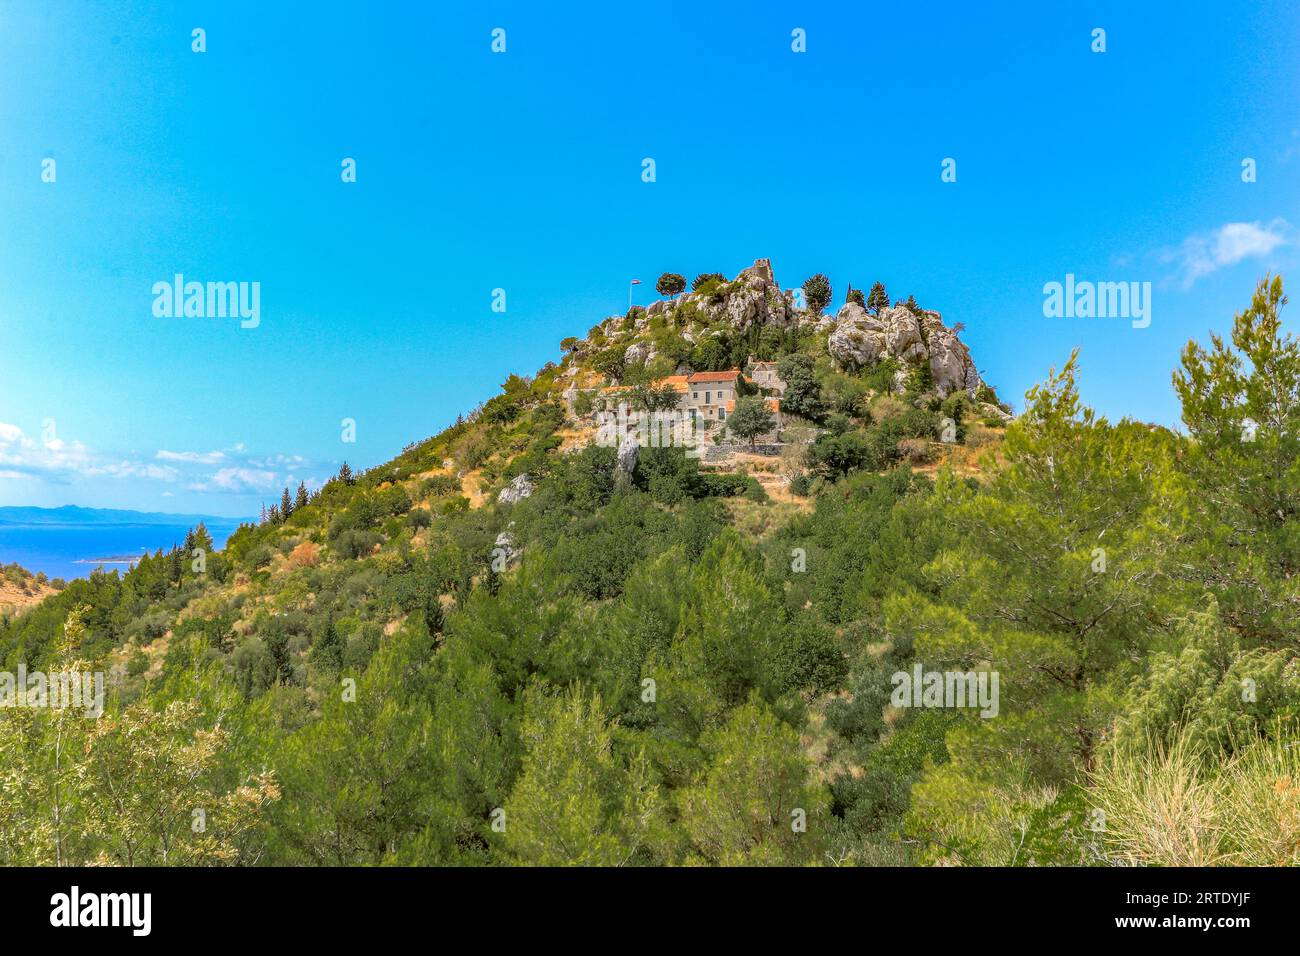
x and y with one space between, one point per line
665 669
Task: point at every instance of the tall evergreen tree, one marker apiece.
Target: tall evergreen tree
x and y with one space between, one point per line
878 299
203 538
1241 405
817 292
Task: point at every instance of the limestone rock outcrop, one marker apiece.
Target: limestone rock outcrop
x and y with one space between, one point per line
504 551
951 366
520 488
629 452
860 339
856 338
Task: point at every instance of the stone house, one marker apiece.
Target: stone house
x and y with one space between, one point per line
710 393
763 374
707 398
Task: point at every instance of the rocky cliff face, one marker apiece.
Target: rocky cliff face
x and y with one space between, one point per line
857 339
860 339
752 297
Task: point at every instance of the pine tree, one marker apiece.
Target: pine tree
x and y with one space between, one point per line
817 292
878 300
759 787
203 538
577 801
286 504
1241 405
303 497
345 474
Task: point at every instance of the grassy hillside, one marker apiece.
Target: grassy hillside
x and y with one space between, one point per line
697 663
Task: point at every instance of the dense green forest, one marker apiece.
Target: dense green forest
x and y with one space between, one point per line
671 667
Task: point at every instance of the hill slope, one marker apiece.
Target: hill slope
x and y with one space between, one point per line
514 643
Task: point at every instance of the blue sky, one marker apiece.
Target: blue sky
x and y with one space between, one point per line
522 171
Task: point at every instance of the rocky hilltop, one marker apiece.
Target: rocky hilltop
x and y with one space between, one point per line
856 337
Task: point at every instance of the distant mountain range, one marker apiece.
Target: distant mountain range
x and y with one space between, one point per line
74 515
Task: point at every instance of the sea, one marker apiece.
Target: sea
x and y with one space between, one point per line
75 550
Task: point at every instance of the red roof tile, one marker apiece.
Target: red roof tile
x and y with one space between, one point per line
700 378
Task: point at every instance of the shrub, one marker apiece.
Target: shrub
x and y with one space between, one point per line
846 394
666 489
885 407
436 486
583 403
724 485
979 435
836 455
710 355
916 451
356 544
305 555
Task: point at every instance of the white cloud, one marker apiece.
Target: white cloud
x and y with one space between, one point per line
192 457
12 435
1207 252
278 461
237 480
60 461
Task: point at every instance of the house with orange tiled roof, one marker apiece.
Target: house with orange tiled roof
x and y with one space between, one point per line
709 393
706 397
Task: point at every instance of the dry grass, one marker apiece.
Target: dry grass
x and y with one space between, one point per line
967 461
759 519
305 555
1169 806
14 599
471 486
